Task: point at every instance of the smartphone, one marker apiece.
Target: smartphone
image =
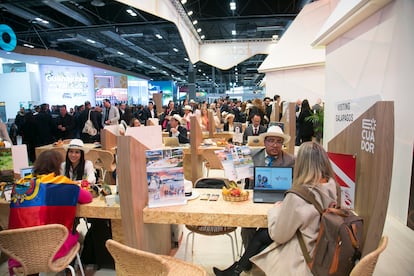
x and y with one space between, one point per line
214 197
204 196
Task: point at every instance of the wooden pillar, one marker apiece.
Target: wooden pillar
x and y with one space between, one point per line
196 137
157 99
211 124
371 139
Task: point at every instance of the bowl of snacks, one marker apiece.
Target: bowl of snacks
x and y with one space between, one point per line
234 193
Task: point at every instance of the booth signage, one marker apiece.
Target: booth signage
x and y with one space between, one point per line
8 39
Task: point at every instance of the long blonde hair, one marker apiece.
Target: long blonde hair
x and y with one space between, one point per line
312 165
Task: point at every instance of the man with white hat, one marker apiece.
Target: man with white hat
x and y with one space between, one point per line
177 130
271 155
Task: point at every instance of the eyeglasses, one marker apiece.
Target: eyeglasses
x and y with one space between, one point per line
274 142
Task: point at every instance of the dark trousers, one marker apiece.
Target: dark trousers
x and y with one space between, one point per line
258 242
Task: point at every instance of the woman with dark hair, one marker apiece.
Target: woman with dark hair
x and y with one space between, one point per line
46 197
75 166
305 126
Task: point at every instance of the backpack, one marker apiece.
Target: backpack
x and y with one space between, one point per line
339 242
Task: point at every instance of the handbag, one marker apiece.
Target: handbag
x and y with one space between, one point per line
89 128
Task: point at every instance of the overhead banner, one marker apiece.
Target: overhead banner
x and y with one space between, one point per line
344 166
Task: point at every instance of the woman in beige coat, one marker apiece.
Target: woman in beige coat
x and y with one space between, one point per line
282 254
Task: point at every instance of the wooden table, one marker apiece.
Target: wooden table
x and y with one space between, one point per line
96 209
212 213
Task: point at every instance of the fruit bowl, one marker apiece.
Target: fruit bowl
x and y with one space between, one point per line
243 197
235 193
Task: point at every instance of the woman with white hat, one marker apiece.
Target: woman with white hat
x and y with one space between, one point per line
75 166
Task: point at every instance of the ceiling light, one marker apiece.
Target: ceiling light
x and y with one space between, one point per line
232 5
198 30
97 3
190 13
120 53
183 2
91 41
38 19
175 50
233 32
158 36
139 61
131 12
195 22
153 67
28 45
186 59
203 36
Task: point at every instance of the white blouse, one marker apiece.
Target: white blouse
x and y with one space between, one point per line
89 172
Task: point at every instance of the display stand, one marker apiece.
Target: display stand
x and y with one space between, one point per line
371 139
133 192
108 139
289 120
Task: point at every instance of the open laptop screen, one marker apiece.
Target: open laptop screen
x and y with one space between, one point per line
273 178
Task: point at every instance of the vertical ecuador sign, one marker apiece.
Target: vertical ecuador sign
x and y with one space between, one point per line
370 137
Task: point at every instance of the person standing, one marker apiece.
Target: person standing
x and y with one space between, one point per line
45 127
276 250
110 113
65 124
305 125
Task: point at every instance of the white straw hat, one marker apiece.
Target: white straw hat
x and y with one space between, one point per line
276 132
77 144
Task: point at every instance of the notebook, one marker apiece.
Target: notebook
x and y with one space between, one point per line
271 183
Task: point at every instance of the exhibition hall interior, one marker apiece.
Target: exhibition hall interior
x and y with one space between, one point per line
170 118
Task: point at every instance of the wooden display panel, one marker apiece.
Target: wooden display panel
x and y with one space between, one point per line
133 192
157 99
371 139
289 120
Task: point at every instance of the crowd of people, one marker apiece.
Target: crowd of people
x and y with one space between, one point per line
44 124
265 247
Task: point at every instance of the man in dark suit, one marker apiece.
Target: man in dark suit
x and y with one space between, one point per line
177 130
254 129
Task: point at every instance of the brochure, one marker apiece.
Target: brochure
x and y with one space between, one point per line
237 162
165 176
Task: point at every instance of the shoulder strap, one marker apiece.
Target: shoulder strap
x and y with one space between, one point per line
89 115
309 197
306 195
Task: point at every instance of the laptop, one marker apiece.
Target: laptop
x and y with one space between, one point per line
271 183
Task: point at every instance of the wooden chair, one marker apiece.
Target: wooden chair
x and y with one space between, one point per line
135 262
366 266
212 183
35 247
103 160
212 162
